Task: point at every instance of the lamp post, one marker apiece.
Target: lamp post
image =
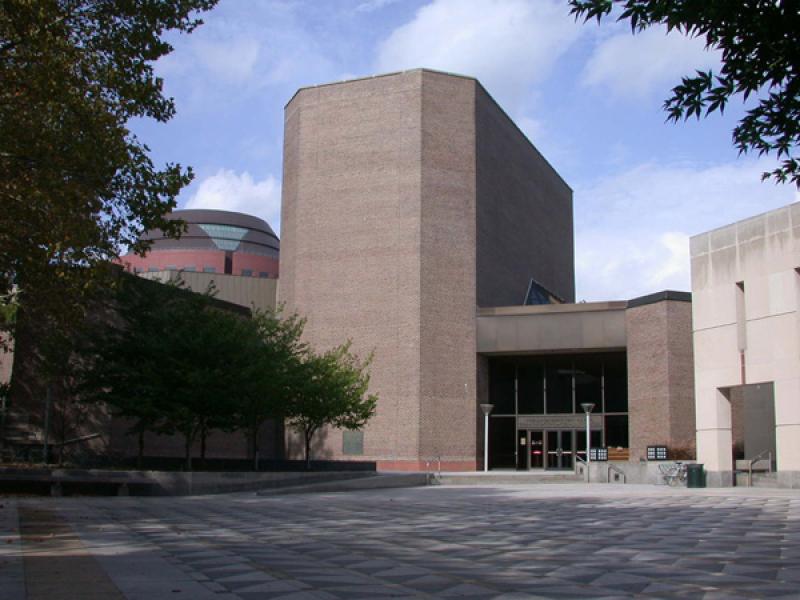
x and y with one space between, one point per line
486 408
587 408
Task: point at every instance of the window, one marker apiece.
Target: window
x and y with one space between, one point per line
615 383
190 268
559 385
530 389
353 442
263 274
208 269
501 387
171 267
247 272
153 269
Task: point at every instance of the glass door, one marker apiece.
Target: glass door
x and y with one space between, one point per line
537 449
559 451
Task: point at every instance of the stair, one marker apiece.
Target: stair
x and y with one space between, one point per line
765 480
509 478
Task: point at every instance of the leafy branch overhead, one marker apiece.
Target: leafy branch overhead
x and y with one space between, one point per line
76 185
759 41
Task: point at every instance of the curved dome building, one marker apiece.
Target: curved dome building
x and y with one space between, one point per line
216 241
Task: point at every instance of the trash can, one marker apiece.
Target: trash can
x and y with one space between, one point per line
695 476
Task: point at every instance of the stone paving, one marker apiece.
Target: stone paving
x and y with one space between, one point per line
547 541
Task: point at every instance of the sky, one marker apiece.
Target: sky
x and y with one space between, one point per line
588 96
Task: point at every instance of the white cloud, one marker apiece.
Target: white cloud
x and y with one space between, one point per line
373 5
227 190
632 229
509 45
650 61
231 60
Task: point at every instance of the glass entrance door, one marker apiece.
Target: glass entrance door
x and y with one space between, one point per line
537 449
559 450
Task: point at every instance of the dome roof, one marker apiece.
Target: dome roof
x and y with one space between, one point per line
218 229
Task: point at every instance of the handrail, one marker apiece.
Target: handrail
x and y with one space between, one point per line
578 459
616 469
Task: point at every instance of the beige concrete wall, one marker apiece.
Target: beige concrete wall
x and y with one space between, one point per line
251 292
764 253
554 327
660 377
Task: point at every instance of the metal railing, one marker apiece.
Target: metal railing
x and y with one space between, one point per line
754 464
616 469
434 477
584 465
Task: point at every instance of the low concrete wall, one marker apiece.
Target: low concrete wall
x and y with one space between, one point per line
165 483
635 472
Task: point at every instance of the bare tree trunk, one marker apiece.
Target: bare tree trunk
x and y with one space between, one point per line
140 454
203 436
254 441
188 450
309 433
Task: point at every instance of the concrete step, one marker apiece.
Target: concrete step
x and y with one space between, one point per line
508 478
765 480
371 482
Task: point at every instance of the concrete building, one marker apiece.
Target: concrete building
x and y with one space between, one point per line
235 254
746 291
421 224
632 360
414 210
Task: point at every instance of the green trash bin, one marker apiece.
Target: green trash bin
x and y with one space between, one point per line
695 476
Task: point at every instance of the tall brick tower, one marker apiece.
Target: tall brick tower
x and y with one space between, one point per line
409 200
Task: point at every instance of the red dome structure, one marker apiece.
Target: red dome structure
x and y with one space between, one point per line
216 241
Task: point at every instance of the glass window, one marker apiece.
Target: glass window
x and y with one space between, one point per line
588 381
247 272
617 431
559 385
263 274
502 442
190 268
530 389
208 269
615 372
353 442
501 387
153 269
171 267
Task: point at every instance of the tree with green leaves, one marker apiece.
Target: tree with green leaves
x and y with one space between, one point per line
76 185
268 369
171 360
759 41
330 388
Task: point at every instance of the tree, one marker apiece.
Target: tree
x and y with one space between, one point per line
759 41
171 360
330 389
76 185
268 369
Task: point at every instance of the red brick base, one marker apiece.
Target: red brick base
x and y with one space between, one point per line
421 465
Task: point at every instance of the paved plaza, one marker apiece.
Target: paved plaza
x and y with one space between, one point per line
545 541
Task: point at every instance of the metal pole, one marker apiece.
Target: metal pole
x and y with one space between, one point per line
588 441
485 443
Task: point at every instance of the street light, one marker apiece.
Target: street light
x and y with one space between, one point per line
486 408
587 408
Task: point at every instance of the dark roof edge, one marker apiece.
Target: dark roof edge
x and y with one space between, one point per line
660 297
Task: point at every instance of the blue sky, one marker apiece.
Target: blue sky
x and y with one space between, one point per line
589 98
